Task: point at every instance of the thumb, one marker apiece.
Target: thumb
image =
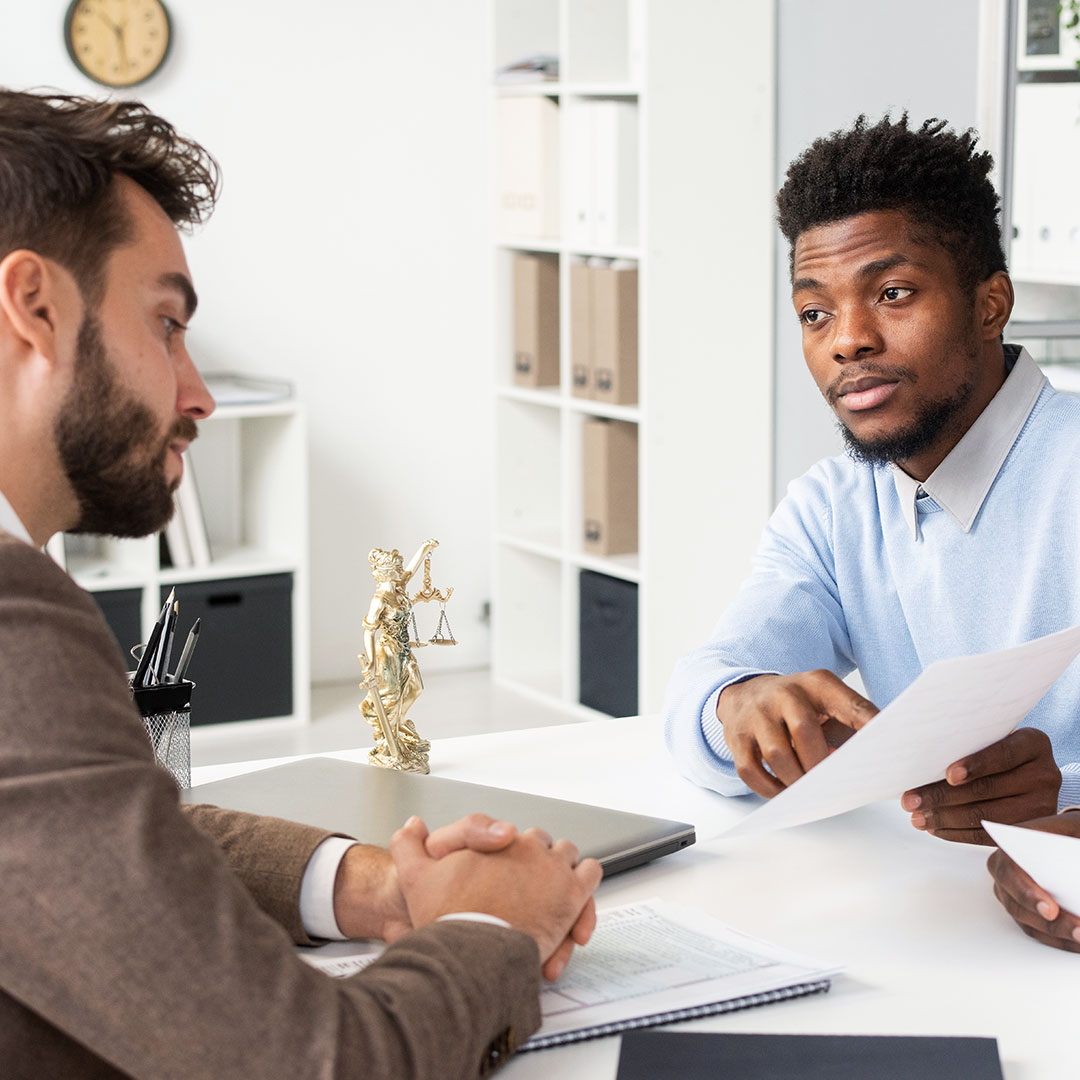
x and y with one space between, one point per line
407 844
477 832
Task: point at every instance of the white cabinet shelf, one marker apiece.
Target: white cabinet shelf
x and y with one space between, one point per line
701 76
250 462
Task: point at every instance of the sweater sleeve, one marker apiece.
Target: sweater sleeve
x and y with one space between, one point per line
786 618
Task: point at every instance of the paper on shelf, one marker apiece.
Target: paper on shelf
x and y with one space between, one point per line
1050 859
954 708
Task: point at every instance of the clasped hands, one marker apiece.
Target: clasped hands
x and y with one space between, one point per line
792 722
477 864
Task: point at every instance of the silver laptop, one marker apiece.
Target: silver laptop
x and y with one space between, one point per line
371 803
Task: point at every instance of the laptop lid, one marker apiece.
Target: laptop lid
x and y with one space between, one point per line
371 803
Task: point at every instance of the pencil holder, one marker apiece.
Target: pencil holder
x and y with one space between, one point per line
166 712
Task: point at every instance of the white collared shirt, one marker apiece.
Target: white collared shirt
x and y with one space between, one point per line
960 484
10 523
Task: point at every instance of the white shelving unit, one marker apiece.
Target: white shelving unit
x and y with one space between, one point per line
250 462
702 77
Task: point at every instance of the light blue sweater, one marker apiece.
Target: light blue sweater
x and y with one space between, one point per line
839 582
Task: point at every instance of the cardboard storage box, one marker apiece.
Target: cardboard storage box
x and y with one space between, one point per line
581 329
610 461
615 335
536 320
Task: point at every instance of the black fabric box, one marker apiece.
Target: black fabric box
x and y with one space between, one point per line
242 667
121 610
608 643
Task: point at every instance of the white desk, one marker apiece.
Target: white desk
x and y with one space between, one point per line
927 948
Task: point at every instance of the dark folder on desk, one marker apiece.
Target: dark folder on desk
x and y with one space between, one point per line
646 1055
371 803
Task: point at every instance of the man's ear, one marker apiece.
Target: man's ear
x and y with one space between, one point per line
35 294
994 301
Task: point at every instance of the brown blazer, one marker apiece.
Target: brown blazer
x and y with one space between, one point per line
139 940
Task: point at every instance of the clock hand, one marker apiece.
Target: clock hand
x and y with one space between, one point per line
108 22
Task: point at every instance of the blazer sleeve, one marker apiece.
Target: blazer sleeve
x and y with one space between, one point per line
269 855
124 929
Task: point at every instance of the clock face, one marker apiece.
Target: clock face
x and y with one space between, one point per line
117 42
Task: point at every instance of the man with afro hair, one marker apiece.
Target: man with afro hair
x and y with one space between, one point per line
943 531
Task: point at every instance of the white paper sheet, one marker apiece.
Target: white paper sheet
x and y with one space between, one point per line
952 709
1050 859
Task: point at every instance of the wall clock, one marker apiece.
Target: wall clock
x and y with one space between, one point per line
117 42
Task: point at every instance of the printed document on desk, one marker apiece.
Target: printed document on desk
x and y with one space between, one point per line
656 963
646 964
954 708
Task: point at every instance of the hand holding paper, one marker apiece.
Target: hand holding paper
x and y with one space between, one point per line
954 709
1037 877
1014 779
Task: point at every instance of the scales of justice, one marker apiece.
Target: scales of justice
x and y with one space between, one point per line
391 673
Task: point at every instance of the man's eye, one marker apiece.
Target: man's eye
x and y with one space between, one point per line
896 292
171 326
811 316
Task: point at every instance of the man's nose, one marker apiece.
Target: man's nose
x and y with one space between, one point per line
855 334
193 399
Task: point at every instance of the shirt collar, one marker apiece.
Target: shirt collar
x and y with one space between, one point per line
9 521
960 484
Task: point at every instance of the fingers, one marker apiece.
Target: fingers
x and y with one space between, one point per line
407 845
963 822
556 963
778 727
1031 907
537 835
932 798
477 832
837 700
1021 890
583 929
1012 780
589 873
751 771
1015 750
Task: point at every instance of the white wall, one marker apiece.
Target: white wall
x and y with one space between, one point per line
835 59
350 254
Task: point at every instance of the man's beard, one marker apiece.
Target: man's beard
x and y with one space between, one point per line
929 425
111 449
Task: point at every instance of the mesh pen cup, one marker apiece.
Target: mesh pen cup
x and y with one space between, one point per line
166 712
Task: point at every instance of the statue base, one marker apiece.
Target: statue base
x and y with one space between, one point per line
408 762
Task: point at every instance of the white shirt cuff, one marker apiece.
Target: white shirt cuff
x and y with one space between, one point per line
475 916
317 889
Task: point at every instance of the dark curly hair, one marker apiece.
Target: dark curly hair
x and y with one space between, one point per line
58 156
933 175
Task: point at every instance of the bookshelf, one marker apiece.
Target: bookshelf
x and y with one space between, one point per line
700 76
251 465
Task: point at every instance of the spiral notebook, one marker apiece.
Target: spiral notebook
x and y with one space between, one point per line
658 963
647 964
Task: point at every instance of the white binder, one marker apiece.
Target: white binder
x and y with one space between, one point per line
527 179
615 173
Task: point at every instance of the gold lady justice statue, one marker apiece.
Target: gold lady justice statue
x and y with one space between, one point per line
391 673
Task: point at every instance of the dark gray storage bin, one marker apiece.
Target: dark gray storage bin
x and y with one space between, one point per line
242 668
608 643
121 608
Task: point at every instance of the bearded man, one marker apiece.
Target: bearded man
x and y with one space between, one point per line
139 939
